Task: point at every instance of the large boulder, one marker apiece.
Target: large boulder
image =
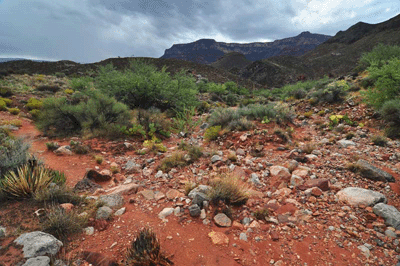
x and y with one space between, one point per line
38 244
371 172
359 196
38 261
389 213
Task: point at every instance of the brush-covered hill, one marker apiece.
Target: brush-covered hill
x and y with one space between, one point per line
70 68
337 56
207 51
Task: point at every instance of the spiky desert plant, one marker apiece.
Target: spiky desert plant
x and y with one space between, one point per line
229 189
145 250
25 181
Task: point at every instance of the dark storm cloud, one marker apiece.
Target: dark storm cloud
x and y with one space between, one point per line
92 30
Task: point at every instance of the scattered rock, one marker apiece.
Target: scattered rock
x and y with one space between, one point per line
2 231
243 236
201 188
63 150
120 211
199 198
38 244
371 172
125 189
255 179
132 167
38 261
359 196
222 220
114 200
194 210
281 172
219 238
296 180
346 143
147 194
89 230
173 194
274 235
216 158
67 206
389 213
86 185
365 251
104 213
165 212
321 183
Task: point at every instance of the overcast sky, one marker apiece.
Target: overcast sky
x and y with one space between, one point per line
93 30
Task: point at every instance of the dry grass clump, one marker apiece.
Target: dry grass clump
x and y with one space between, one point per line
146 251
308 148
230 190
176 159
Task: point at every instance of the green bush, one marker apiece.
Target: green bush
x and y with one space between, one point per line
99 115
58 194
145 87
153 123
14 111
13 152
35 114
5 91
34 103
81 84
7 101
390 112
387 83
332 93
212 133
3 105
380 55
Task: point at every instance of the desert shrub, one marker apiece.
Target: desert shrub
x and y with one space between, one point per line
3 105
154 145
58 194
176 159
183 120
7 101
81 83
58 177
386 85
232 156
34 103
13 152
234 88
241 124
14 111
380 55
145 250
99 159
35 114
379 140
68 91
145 87
367 82
153 123
59 74
212 133
61 223
189 186
26 181
390 112
99 115
282 134
52 146
5 91
332 93
261 214
229 190
308 148
51 88
222 117
194 151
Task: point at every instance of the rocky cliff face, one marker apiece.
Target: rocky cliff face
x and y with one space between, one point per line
207 51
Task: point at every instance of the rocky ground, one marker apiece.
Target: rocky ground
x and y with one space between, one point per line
319 212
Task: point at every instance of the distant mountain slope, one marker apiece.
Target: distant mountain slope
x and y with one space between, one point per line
337 56
232 62
2 60
206 51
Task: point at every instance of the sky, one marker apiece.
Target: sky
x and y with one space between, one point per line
93 30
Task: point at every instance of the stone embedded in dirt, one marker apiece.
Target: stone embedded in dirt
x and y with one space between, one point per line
274 235
158 195
321 183
86 185
67 206
132 167
219 238
222 220
114 200
255 179
38 261
203 214
316 192
103 213
125 189
89 230
296 180
173 194
311 157
98 177
365 251
120 211
201 188
243 236
243 137
344 143
194 210
165 212
389 213
63 150
281 193
159 174
147 194
280 171
303 173
199 198
240 152
38 244
97 259
216 158
356 196
371 172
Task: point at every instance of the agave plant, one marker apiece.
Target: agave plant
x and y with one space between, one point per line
27 180
146 251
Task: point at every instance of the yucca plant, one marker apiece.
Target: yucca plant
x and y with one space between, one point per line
146 251
25 181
